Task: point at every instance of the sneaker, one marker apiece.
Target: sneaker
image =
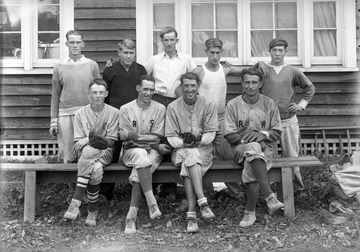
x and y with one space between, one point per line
248 219
72 212
130 227
273 203
192 226
91 218
154 212
206 212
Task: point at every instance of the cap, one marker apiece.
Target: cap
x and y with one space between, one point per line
277 42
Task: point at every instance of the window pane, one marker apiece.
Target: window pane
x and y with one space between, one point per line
261 16
325 43
230 44
48 29
285 15
291 38
202 16
163 15
324 15
10 29
260 43
198 43
226 16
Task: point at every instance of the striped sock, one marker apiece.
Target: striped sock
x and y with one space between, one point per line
93 196
81 185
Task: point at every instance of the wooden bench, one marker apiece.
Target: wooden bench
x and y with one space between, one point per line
220 171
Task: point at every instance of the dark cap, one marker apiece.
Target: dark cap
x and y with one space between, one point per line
97 141
277 42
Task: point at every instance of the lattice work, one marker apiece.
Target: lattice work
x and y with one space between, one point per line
331 146
27 149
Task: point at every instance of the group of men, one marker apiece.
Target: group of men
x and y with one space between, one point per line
173 109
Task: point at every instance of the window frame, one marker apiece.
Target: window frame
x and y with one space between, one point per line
345 24
29 45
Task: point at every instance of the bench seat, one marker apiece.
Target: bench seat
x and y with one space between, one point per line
220 171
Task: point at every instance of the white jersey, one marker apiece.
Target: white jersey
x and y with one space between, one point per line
150 120
213 87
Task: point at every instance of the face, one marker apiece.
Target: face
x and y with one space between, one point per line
190 89
127 56
75 44
277 54
169 42
97 94
145 91
251 85
214 54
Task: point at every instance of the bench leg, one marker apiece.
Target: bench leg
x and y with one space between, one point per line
288 191
30 196
279 191
37 197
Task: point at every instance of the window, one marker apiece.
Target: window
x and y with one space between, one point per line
319 32
33 32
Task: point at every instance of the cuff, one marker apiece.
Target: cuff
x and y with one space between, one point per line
54 122
132 136
303 103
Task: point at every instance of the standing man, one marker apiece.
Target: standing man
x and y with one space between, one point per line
191 125
95 131
279 84
252 127
70 85
142 123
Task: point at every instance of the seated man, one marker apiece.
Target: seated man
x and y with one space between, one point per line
191 125
142 123
252 127
95 132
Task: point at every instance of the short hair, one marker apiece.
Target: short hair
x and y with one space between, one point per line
147 77
73 32
98 81
190 76
166 30
251 71
213 42
127 43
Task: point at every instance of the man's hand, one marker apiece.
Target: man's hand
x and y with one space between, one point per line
262 67
293 107
123 134
53 131
79 145
109 62
191 145
164 149
253 136
225 64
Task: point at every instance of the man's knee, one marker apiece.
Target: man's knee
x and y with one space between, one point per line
97 174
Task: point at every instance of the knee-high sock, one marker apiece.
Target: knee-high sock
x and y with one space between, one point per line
136 193
93 196
145 178
252 193
259 170
81 185
196 179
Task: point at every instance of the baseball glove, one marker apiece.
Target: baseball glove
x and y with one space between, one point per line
188 137
97 141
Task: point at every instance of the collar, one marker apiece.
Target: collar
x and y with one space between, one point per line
68 59
177 54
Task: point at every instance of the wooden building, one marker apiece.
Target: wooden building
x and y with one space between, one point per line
324 41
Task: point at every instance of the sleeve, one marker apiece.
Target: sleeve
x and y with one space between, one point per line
96 71
308 88
149 66
191 65
107 77
113 125
207 138
275 128
176 142
230 120
124 120
141 69
172 127
159 125
79 132
56 89
211 119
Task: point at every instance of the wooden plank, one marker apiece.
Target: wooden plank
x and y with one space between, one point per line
30 196
25 122
26 79
22 134
288 192
25 112
29 100
25 89
330 121
330 111
102 4
100 35
97 13
115 23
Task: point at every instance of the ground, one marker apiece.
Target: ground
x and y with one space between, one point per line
306 232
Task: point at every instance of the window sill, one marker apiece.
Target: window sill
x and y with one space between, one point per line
21 71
